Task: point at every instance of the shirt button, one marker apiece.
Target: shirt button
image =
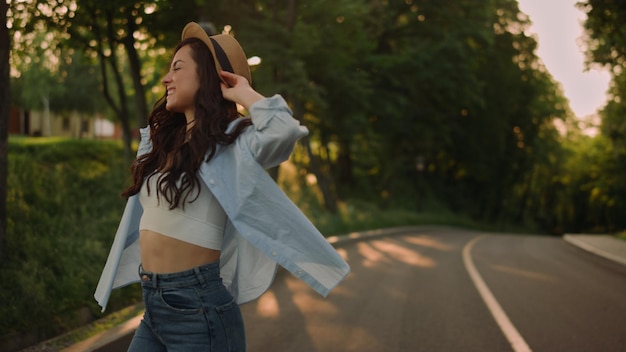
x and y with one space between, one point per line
274 254
212 181
299 271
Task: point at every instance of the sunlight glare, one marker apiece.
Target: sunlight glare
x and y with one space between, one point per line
371 257
343 253
426 241
149 9
268 305
253 61
404 255
308 302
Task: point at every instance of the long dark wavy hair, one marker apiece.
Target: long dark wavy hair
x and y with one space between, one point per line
178 154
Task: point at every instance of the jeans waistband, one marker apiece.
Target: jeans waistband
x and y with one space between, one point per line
198 275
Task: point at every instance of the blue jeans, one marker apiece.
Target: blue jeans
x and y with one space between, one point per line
188 311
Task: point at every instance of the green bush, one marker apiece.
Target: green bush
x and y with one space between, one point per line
63 209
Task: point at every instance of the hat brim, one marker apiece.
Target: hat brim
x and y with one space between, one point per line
227 53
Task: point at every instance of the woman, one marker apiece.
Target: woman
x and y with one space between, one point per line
204 222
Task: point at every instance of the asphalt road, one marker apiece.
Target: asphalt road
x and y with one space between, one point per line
413 292
439 289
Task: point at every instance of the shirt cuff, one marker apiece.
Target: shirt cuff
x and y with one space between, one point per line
263 110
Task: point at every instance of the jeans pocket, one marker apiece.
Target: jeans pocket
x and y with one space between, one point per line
231 320
181 301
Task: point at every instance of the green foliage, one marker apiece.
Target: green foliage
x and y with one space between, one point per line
71 86
604 184
590 193
378 212
605 28
63 209
382 84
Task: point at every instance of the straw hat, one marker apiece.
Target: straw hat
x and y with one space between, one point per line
227 53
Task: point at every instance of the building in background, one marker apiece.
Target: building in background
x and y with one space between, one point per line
71 124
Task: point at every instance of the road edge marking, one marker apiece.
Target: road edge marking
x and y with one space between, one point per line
515 339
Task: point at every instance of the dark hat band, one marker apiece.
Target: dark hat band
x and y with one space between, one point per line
221 57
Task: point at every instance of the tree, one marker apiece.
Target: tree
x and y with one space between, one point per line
5 106
99 29
310 61
515 129
332 41
606 43
119 34
606 46
50 77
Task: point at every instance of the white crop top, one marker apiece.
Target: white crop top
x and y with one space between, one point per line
200 222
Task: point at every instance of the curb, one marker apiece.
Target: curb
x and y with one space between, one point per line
578 241
106 337
336 241
368 235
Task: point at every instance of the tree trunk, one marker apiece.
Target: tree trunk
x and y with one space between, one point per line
120 110
46 125
121 113
135 71
124 114
119 82
5 107
324 182
344 163
275 171
291 15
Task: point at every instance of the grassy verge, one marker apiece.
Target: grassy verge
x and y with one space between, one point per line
80 334
63 206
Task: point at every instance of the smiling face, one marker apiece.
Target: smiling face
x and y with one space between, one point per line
182 83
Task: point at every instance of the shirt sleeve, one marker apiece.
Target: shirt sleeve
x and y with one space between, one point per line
274 133
145 145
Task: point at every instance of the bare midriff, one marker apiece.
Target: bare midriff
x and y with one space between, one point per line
162 254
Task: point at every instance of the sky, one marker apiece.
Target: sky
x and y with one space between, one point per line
558 27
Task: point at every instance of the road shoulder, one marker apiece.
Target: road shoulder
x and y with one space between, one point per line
606 246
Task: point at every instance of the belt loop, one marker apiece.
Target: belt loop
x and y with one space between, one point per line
146 275
199 276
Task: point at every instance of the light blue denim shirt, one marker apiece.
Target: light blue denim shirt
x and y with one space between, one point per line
264 227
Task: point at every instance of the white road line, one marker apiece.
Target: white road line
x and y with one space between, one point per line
515 339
